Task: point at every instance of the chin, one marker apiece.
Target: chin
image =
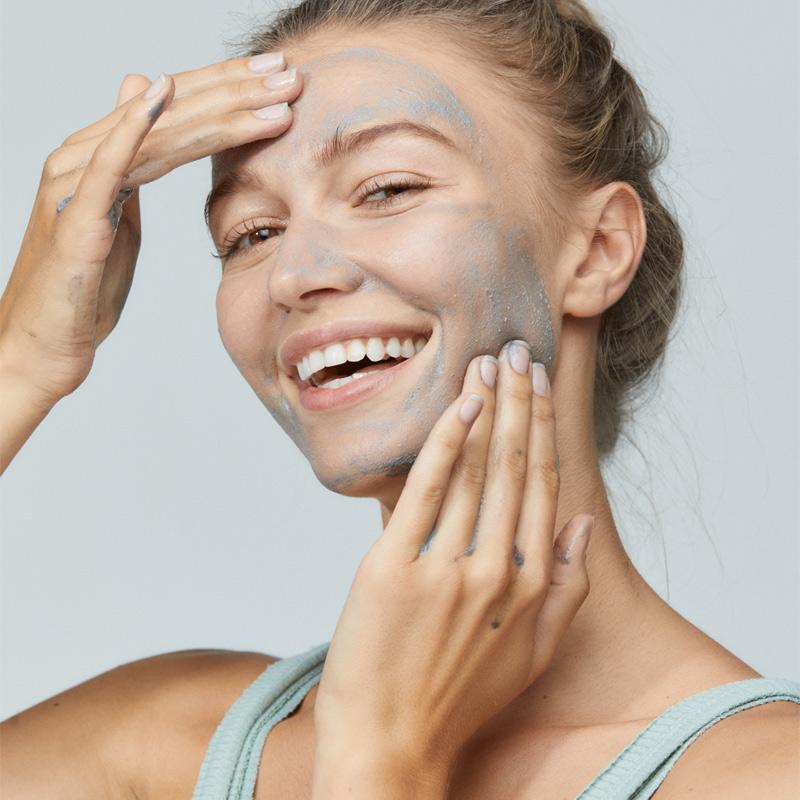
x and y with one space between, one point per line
383 481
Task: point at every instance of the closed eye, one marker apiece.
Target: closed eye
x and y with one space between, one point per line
230 247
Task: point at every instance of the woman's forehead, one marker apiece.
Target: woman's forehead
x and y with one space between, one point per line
351 87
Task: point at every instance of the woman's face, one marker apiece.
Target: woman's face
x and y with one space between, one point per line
336 257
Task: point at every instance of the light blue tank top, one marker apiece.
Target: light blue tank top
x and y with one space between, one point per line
231 762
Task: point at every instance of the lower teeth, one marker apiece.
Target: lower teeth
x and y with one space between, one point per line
336 382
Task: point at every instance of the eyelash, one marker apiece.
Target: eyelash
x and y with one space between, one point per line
231 244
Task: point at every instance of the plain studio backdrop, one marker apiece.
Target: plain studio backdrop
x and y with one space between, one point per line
161 508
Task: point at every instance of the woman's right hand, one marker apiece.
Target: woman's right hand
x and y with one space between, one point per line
75 266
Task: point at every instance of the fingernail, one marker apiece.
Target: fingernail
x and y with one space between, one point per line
278 79
489 370
519 356
273 112
541 383
470 409
579 542
265 61
156 86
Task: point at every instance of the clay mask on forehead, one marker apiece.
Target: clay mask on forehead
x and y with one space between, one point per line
462 263
403 89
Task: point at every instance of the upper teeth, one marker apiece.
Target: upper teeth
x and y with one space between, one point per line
374 348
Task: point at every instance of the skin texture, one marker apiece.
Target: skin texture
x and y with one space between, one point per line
470 258
398 266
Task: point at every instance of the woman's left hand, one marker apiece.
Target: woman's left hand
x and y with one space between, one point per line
431 645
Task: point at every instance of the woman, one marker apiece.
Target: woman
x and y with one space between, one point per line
500 674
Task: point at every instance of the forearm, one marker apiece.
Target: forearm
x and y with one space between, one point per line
21 410
357 773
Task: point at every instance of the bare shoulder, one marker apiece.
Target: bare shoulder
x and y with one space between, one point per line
136 731
752 753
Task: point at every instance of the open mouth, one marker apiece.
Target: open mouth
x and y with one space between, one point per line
344 363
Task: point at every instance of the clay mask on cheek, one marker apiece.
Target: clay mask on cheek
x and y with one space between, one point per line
496 294
482 286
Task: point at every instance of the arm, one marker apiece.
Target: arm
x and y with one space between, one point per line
753 753
22 410
139 730
362 771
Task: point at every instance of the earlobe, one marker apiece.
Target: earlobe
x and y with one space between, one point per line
611 245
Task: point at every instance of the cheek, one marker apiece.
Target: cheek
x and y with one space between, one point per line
431 254
242 322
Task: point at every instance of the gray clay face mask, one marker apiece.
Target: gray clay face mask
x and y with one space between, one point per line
451 257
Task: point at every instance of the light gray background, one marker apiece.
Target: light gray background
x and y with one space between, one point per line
161 508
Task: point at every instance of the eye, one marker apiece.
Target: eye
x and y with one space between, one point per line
376 185
231 246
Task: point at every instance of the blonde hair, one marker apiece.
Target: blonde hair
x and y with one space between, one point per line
596 127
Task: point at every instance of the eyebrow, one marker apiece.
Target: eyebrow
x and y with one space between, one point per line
340 145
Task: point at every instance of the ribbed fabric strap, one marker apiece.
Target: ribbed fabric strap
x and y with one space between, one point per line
639 769
230 766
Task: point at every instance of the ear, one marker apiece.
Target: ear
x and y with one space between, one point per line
610 246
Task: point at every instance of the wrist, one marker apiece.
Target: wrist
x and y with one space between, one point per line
360 770
14 380
21 412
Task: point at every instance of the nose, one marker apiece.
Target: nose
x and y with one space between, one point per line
308 268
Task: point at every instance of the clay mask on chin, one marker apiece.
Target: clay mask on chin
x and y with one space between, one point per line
462 264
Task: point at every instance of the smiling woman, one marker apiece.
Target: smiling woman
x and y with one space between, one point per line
463 244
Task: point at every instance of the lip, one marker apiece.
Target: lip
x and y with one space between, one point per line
313 398
300 344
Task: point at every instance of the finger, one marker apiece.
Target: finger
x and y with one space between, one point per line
426 485
507 458
172 146
569 587
132 85
455 525
187 83
110 163
540 500
198 126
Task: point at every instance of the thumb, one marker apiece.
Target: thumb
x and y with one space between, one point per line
569 587
132 84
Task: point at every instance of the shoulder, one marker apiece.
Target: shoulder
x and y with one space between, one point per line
752 753
138 730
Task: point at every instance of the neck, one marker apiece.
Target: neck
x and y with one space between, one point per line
601 672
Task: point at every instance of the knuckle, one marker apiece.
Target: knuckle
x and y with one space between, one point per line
533 586
520 390
543 410
547 473
582 585
430 494
229 69
489 575
470 472
244 91
448 441
54 165
513 460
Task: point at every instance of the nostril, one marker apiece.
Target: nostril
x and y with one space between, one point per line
316 293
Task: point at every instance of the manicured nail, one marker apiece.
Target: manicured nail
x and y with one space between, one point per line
265 61
156 86
273 112
519 356
579 542
470 409
541 383
279 79
489 370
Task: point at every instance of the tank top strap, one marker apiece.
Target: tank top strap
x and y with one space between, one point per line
230 766
639 769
